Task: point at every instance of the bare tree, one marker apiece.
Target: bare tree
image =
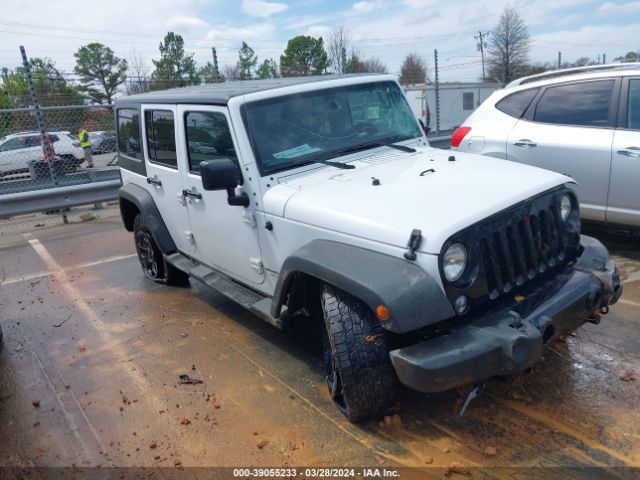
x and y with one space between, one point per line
337 47
371 65
414 70
138 73
508 47
231 72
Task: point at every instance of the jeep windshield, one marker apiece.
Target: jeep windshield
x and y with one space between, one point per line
293 130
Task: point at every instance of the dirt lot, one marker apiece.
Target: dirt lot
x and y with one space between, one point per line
89 376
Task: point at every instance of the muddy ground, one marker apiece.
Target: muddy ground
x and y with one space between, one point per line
89 376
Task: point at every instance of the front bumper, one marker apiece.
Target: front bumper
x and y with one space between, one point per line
511 339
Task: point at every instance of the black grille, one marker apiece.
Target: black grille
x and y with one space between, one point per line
515 248
522 249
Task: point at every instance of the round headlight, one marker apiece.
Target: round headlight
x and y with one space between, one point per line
454 262
565 206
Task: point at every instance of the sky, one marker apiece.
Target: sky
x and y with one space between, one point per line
385 29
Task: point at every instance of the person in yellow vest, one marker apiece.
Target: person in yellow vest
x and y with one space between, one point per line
85 143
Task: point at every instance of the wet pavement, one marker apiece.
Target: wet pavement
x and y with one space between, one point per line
89 376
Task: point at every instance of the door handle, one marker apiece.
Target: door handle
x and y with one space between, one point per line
630 152
189 193
154 181
525 143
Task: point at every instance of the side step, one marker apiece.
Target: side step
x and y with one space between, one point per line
252 301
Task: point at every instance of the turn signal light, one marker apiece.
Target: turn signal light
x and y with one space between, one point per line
382 312
458 135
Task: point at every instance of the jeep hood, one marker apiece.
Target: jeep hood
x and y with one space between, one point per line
423 190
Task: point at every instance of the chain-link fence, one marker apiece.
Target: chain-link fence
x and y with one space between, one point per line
30 162
53 153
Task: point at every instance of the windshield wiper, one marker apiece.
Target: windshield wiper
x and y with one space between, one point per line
345 166
367 146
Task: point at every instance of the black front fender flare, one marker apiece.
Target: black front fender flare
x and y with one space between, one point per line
413 298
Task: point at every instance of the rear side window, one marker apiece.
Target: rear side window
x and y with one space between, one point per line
633 111
581 104
129 133
161 137
208 138
516 103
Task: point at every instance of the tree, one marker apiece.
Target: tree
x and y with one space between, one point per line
175 67
508 47
101 72
268 69
208 73
304 55
337 47
138 74
247 59
413 70
231 72
629 57
371 65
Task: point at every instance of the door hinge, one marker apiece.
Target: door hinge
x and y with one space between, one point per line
256 264
189 235
249 219
181 199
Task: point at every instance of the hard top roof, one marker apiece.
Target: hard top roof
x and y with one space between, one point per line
220 93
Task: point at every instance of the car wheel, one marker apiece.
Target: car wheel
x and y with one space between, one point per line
152 261
359 374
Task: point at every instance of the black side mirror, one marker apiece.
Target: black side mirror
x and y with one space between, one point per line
223 174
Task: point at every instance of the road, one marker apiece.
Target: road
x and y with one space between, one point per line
89 376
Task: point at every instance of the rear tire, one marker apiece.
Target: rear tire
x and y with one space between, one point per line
154 264
359 374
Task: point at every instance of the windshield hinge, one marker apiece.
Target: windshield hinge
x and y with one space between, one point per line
249 219
413 244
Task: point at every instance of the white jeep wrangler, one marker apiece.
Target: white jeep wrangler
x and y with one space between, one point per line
321 198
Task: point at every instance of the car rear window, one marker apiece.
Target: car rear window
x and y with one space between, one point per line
580 104
516 103
129 133
161 137
633 114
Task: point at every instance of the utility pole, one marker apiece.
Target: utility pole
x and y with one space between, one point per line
435 56
559 60
481 46
343 55
598 59
215 64
604 58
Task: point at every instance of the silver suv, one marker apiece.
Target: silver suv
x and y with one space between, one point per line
583 122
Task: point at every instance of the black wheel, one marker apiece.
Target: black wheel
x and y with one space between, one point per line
359 374
154 265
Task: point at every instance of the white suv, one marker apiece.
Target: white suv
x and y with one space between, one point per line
319 200
582 122
20 151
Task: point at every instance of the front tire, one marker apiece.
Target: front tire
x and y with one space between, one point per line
359 374
153 263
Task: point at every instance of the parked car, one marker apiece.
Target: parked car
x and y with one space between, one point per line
582 122
320 200
102 142
23 152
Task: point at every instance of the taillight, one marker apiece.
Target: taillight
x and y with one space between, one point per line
458 135
76 144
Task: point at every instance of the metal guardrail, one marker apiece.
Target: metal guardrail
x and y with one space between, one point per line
59 198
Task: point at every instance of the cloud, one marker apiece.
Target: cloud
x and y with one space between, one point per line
181 22
610 8
319 31
260 8
366 6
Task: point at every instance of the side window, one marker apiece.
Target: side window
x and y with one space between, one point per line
467 101
129 133
32 141
208 138
582 104
633 109
161 137
13 144
516 103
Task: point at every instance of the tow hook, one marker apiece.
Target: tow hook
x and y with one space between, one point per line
596 315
